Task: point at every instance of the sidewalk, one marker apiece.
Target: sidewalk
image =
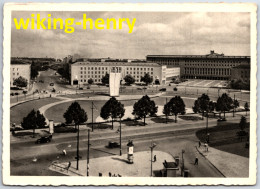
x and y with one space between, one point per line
230 165
118 165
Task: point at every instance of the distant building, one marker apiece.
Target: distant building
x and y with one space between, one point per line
211 66
241 72
18 69
82 71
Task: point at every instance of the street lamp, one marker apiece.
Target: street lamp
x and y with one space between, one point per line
88 153
152 147
182 168
120 137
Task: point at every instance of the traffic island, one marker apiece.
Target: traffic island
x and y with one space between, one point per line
117 166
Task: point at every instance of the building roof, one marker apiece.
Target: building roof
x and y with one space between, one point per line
117 64
211 55
17 62
170 165
242 66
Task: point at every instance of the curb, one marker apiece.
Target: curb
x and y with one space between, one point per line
210 162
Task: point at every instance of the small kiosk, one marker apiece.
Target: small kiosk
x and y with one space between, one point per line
170 169
130 152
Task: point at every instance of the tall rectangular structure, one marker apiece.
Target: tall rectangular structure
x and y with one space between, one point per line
114 81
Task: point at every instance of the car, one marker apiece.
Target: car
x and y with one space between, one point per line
51 84
44 139
113 144
12 94
162 89
88 87
222 119
175 89
144 88
16 93
81 88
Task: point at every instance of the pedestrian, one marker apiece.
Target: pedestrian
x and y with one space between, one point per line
199 144
154 158
206 147
196 161
69 164
64 152
110 174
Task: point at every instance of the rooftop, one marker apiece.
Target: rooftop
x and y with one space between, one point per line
211 55
117 64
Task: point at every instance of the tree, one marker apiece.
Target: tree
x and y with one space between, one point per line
145 106
246 107
166 110
157 82
75 114
29 122
203 104
235 105
105 79
224 103
20 82
34 70
176 106
90 81
40 120
147 79
129 79
33 120
242 123
112 109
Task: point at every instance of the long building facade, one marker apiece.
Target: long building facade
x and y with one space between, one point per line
81 72
211 66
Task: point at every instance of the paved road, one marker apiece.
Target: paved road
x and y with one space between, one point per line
169 141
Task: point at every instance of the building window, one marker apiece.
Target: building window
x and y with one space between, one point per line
81 68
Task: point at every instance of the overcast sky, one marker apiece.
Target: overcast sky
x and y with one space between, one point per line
154 33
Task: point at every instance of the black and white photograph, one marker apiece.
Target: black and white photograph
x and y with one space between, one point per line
161 94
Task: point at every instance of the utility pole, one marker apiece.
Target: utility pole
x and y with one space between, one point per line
88 154
166 112
78 149
120 138
152 147
234 106
182 169
92 116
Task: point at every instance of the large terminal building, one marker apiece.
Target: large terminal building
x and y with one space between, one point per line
212 66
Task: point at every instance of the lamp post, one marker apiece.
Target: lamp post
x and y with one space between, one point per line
88 153
78 148
182 168
152 147
120 138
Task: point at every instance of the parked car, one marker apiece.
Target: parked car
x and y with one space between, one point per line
88 87
222 119
162 89
44 139
12 94
175 89
16 93
51 84
81 88
113 144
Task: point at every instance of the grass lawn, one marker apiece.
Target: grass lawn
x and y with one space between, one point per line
20 111
225 138
56 112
